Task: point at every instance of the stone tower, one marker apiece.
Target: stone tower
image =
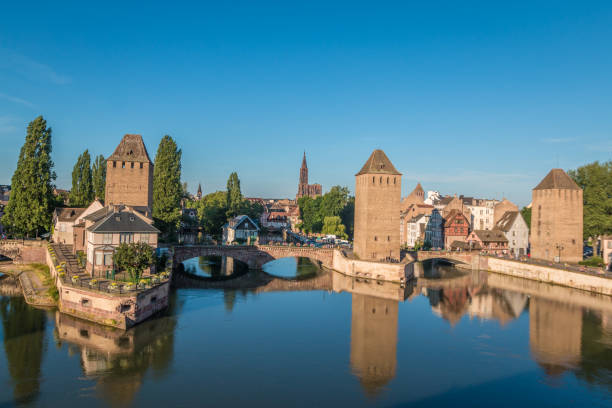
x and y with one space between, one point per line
199 193
377 209
556 219
129 174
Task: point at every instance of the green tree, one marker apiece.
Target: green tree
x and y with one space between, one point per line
596 181
333 226
133 258
526 213
31 202
212 209
310 214
82 192
348 216
99 177
334 201
167 187
234 195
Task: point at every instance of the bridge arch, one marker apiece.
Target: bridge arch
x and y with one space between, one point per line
255 256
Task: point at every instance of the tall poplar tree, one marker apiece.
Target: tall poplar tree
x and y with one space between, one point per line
234 195
99 177
167 187
31 201
82 192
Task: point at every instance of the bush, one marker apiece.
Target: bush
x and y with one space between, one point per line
594 261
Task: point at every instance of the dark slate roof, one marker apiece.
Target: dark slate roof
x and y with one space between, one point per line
68 214
96 215
239 219
122 221
131 148
557 178
490 236
506 221
378 163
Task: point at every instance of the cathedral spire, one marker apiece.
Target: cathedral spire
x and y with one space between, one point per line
304 165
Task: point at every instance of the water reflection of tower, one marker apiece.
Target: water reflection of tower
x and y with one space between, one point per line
227 266
373 341
555 334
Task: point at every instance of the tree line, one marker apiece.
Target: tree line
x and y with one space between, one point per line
215 209
332 213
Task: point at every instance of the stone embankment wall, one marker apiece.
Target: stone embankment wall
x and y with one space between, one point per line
392 272
110 309
583 281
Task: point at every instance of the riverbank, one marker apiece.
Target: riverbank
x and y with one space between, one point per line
35 283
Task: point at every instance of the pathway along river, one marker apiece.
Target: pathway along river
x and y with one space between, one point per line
452 339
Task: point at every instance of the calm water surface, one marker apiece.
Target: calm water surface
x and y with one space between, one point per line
310 339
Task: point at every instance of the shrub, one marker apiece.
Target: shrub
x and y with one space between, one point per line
594 261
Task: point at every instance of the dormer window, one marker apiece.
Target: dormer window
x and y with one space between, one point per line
132 218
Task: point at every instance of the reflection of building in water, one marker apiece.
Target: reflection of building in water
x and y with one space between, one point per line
500 305
227 266
373 341
555 334
117 359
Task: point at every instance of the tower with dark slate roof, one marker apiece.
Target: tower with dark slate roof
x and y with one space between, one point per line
377 209
556 219
129 174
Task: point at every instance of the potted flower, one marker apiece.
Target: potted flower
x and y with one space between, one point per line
128 286
155 279
75 278
113 286
93 283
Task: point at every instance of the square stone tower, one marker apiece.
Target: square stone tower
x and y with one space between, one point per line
378 188
556 219
129 174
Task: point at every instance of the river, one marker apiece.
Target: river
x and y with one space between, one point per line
312 338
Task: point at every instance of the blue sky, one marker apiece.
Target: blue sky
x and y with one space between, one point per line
475 98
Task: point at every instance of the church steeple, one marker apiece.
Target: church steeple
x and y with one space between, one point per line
199 193
304 171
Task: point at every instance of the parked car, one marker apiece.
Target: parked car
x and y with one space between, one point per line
587 251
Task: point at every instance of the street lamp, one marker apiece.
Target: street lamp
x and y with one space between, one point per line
559 248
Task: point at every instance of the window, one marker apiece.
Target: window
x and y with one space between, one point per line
388 238
114 164
99 258
373 180
132 164
123 165
107 238
609 244
141 165
85 302
375 238
144 238
108 259
126 237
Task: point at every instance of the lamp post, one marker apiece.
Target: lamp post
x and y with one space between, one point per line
559 248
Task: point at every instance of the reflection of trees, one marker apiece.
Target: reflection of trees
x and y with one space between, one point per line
373 341
119 360
596 363
24 329
305 268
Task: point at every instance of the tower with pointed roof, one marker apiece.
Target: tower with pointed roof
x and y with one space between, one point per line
199 193
377 209
556 219
129 174
305 189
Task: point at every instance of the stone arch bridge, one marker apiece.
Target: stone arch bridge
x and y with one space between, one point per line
463 259
23 251
255 256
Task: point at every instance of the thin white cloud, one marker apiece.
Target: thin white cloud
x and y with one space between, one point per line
16 100
558 139
605 147
8 124
30 68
